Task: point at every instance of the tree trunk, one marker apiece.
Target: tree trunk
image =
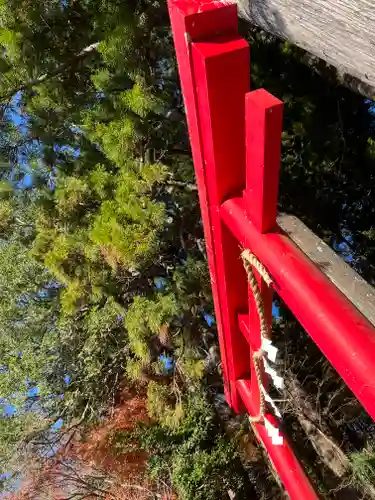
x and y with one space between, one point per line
318 433
316 430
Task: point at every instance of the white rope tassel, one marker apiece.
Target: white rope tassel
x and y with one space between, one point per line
273 433
271 402
278 381
269 349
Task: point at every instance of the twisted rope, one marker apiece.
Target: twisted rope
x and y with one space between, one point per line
257 356
250 262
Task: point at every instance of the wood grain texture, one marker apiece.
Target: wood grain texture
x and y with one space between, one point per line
341 32
348 281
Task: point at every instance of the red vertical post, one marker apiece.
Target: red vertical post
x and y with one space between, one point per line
191 22
221 69
263 141
264 114
214 71
263 147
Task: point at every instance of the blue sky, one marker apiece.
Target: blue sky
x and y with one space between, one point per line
8 410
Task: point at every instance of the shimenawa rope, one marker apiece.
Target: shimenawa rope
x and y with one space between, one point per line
250 262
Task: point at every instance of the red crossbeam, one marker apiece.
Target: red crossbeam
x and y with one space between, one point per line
235 136
344 336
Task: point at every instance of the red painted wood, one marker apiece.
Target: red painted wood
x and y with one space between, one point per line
282 457
263 143
214 70
214 78
192 21
344 336
221 70
263 140
202 19
243 323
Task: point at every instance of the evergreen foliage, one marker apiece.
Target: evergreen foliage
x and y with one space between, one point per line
363 464
202 462
101 243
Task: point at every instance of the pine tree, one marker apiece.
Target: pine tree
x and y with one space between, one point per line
109 212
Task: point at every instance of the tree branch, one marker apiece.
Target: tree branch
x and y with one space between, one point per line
42 78
184 185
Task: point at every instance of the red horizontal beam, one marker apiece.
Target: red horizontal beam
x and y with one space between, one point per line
343 335
282 457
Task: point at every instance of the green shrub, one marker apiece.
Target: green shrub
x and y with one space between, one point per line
201 462
363 467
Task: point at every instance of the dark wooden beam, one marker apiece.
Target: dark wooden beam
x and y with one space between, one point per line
341 32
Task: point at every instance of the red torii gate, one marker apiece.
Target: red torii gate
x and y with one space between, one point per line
235 137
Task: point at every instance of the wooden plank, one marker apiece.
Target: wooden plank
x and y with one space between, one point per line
341 32
348 281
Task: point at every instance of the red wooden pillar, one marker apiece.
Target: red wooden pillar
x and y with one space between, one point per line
221 69
263 148
214 70
263 145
